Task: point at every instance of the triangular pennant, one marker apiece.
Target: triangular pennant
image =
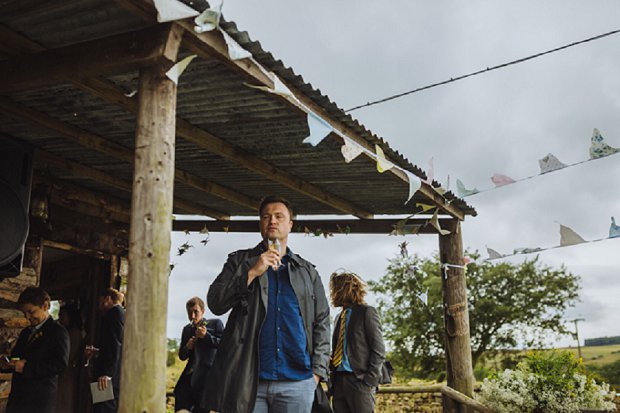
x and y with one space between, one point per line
614 230
493 255
430 174
170 10
177 70
462 191
569 237
319 129
425 207
414 184
382 163
501 180
235 51
350 150
209 19
598 148
434 221
550 163
424 297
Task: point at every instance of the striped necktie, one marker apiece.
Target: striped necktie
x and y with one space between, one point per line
338 352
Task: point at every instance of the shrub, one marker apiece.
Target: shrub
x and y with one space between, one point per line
546 381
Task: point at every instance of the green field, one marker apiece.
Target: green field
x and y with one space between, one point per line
598 355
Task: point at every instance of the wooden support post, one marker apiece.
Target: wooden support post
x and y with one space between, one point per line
143 370
456 316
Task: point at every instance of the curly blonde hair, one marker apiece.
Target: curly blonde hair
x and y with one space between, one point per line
346 288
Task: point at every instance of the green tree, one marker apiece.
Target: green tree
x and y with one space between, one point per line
508 304
173 350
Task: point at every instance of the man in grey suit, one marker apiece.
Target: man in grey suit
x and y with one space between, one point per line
358 350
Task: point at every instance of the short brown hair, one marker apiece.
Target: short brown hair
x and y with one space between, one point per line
193 301
346 288
272 199
116 296
33 295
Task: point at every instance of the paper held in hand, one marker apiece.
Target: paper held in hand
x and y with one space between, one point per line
101 395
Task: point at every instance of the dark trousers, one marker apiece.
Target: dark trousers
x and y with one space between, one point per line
352 395
110 406
185 396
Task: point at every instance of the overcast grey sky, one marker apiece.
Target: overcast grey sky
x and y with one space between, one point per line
499 122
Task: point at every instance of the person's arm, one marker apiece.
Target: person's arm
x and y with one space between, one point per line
57 360
186 335
231 285
320 331
376 346
111 341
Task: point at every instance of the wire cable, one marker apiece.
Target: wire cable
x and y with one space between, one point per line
488 69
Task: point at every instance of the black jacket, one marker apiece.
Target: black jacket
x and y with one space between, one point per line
232 382
108 362
201 358
365 347
46 354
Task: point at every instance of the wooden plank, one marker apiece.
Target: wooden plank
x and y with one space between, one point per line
43 158
463 399
110 55
143 372
309 226
456 313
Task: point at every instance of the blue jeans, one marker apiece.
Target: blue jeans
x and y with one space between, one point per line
285 396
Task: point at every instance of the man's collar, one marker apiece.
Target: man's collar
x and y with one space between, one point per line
38 326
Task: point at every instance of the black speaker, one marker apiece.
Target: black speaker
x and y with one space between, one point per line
16 159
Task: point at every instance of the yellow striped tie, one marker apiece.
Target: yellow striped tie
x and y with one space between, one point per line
337 358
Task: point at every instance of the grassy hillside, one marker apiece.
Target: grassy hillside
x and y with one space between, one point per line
598 355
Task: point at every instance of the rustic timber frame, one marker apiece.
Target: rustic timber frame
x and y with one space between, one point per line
119 148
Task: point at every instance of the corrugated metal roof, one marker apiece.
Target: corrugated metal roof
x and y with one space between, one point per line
212 97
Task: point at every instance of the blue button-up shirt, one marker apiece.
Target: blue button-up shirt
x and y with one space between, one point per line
282 346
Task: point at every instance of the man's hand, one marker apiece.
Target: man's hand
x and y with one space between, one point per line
317 379
190 343
201 332
19 365
269 258
102 382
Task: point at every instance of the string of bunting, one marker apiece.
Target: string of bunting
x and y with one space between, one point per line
568 237
598 150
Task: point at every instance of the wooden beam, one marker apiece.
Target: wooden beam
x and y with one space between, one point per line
456 314
115 95
316 227
107 56
43 158
465 400
143 372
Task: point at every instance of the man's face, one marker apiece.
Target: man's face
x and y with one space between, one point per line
36 314
275 222
195 313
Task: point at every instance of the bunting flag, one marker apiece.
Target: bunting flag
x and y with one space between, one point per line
430 174
414 184
569 237
550 163
424 297
435 223
493 254
614 230
598 148
462 191
501 180
319 129
170 10
209 19
177 70
351 150
235 51
382 163
425 207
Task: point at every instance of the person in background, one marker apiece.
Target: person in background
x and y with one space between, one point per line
69 316
199 342
39 356
358 350
275 346
108 362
